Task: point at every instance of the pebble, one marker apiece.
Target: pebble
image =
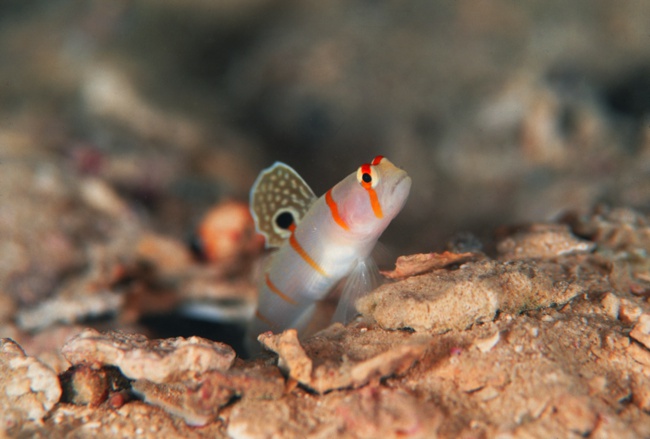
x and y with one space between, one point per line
641 392
611 304
641 331
486 344
629 312
84 385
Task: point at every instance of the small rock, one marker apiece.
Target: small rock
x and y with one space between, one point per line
84 385
341 357
620 229
28 388
641 392
463 242
456 299
227 234
141 358
611 304
486 344
292 356
542 241
629 312
486 393
639 354
434 301
641 331
118 399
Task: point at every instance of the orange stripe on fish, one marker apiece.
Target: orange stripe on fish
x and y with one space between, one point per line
334 209
374 202
303 254
277 291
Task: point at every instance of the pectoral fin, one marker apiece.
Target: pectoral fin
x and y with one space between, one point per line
363 279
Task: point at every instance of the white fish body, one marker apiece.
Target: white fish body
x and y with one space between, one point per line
320 241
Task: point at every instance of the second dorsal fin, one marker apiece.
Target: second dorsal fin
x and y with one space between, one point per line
279 199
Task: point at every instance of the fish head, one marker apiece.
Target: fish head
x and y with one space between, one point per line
373 196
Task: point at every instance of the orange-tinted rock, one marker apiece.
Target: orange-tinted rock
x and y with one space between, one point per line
28 388
227 233
85 385
542 241
337 357
141 358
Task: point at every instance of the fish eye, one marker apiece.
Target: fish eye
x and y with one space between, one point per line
367 176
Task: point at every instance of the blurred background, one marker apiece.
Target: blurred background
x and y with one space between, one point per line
503 112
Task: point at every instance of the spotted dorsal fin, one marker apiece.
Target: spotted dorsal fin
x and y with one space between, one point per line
279 200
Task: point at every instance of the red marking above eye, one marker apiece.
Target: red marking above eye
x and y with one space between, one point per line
365 169
377 160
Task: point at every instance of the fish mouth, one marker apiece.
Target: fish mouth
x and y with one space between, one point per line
399 192
403 179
